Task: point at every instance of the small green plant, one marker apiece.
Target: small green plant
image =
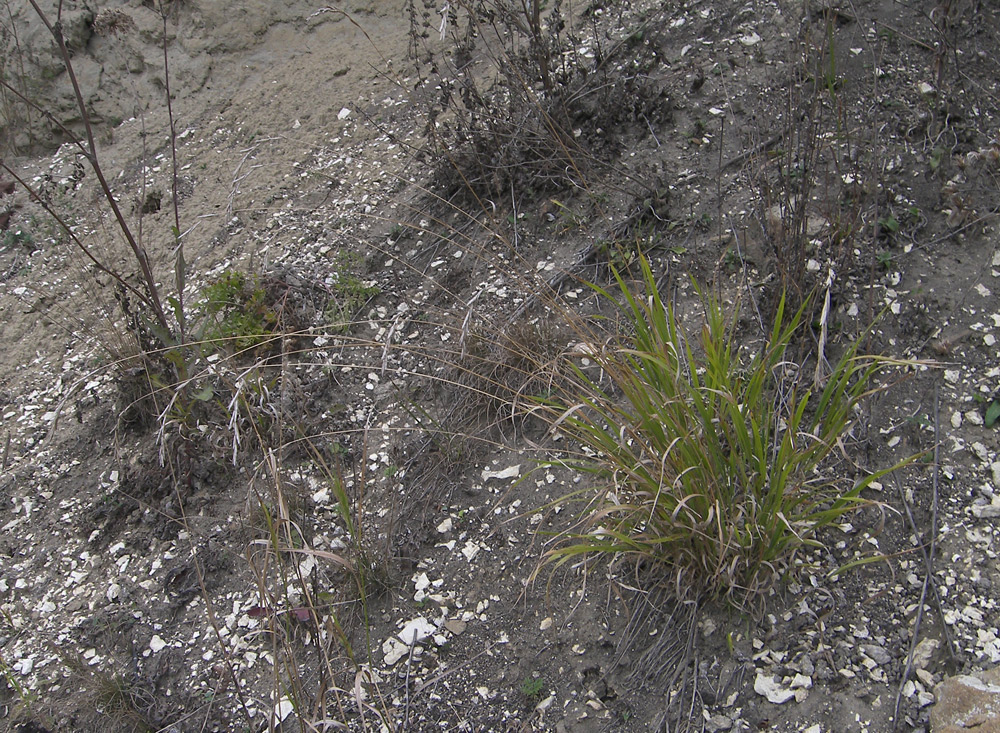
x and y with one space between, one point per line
348 294
937 157
889 223
568 218
992 413
731 260
884 258
532 687
26 696
18 238
710 462
618 253
237 313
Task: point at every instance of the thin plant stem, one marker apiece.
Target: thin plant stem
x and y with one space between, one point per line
138 251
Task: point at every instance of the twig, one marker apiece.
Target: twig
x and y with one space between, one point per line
409 666
180 266
463 339
388 340
36 196
934 517
755 150
238 179
227 658
746 277
653 134
928 555
909 656
923 551
451 670
513 221
138 251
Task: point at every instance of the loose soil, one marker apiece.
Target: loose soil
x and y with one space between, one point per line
204 576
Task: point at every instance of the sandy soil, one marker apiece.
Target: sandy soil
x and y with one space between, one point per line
198 572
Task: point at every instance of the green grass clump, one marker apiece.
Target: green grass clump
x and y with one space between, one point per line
237 311
350 293
712 463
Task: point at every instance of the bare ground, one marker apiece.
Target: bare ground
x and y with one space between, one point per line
141 594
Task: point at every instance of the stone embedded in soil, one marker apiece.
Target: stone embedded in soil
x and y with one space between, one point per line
718 723
968 702
509 472
416 629
878 654
393 650
283 709
455 626
987 511
766 686
924 651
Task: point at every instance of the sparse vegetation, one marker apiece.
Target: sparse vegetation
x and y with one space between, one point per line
713 462
237 313
316 483
349 293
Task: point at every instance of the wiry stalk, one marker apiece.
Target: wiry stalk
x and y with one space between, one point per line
138 251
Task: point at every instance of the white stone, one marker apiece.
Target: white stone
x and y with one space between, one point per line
923 652
766 686
509 472
987 511
470 550
394 650
283 709
416 629
801 681
981 451
546 703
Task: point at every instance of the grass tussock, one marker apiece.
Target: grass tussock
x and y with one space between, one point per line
712 463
